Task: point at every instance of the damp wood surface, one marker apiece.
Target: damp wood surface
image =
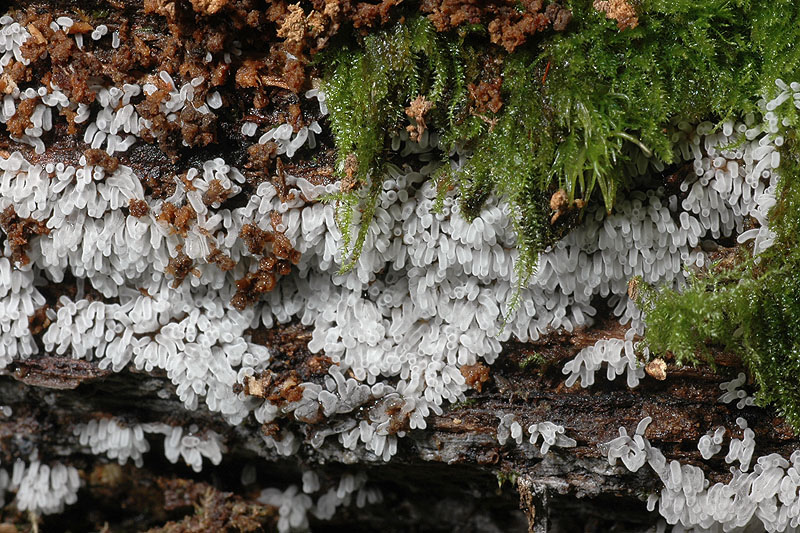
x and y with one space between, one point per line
458 453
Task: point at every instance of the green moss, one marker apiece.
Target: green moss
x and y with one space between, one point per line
368 86
686 61
579 100
469 402
683 323
757 318
101 14
752 310
535 359
510 158
504 477
574 101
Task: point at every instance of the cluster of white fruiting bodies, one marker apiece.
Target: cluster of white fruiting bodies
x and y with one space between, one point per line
426 297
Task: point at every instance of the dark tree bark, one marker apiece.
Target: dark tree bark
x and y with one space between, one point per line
453 474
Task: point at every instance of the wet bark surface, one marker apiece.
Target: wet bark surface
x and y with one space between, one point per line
453 474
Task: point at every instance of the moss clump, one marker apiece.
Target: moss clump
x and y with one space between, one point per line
685 61
752 310
577 105
368 87
536 363
512 156
535 358
713 55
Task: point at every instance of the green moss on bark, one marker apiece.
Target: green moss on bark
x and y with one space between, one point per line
368 86
578 105
752 310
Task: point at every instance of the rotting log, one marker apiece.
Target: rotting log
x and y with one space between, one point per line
452 475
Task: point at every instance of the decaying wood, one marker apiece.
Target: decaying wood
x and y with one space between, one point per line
457 459
452 476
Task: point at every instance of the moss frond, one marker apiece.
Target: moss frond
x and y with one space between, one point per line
578 107
368 85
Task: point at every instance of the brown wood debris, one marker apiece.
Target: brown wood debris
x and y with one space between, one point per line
620 10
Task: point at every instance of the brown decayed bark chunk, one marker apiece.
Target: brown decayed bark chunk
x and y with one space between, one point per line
368 15
179 267
159 187
294 74
72 68
39 28
293 27
179 218
487 96
278 69
138 208
278 388
61 47
255 238
276 262
319 364
198 129
39 321
416 111
223 261
559 16
261 156
214 510
286 389
69 115
19 232
476 375
620 10
22 118
250 288
17 73
247 75
510 23
282 248
80 26
208 7
97 157
162 7
350 179
216 193
133 54
657 369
